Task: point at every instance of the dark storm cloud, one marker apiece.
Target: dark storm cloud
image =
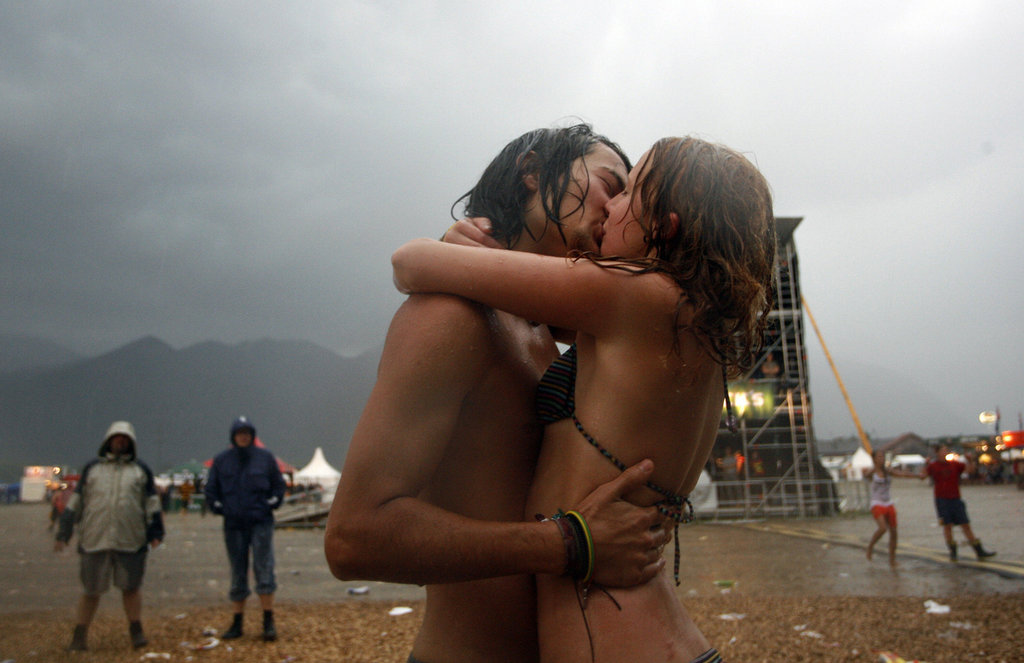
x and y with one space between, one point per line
233 171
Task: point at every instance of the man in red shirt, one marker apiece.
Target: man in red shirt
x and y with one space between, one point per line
945 472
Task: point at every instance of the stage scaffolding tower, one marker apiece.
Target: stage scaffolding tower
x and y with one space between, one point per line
770 466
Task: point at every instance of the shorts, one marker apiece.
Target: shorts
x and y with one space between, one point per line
952 511
889 512
97 568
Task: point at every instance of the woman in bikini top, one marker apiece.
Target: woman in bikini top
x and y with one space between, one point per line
556 400
680 296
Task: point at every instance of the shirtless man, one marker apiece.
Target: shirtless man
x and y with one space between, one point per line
435 480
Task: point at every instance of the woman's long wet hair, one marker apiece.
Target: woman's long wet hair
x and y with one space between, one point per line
722 252
501 194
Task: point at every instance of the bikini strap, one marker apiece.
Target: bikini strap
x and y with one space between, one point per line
730 418
674 506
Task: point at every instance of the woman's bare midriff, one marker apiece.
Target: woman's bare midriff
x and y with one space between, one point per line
649 624
652 624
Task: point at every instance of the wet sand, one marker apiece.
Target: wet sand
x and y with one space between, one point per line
803 587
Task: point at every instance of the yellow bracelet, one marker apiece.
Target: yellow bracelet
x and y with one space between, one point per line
581 522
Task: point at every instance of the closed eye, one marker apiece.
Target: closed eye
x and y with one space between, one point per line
614 181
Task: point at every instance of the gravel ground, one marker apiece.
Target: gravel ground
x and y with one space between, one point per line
770 629
759 595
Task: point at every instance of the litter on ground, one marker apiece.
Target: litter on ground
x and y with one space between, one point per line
889 657
208 643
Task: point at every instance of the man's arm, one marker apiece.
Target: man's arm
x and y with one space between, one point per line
277 484
151 504
380 529
211 491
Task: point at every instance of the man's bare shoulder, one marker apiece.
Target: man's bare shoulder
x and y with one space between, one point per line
439 305
436 318
451 334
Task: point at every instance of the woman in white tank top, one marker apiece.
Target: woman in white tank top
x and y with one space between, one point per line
883 510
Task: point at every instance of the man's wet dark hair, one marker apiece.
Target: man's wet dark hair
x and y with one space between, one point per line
501 195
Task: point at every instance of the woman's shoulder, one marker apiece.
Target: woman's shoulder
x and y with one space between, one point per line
643 303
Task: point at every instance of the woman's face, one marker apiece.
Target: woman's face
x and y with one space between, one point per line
623 234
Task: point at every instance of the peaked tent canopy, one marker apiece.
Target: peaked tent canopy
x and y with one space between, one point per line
859 463
318 471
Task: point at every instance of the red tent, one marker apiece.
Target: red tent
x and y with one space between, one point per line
285 467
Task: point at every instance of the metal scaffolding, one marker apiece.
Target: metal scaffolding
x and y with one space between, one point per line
770 466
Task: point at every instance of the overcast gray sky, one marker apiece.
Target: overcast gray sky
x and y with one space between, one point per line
240 170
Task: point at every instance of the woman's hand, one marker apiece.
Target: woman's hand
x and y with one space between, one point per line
472 231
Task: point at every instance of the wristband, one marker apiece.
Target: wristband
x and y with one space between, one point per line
586 542
579 556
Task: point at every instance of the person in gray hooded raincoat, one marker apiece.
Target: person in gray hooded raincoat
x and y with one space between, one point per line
116 510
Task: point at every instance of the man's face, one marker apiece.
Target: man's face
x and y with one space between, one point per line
598 177
243 438
120 444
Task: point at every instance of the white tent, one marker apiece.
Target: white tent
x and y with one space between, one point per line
704 497
909 462
319 471
860 462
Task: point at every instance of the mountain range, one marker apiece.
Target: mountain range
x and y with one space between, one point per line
55 405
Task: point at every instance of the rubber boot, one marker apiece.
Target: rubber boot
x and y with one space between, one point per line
981 552
235 630
269 632
78 638
952 552
138 637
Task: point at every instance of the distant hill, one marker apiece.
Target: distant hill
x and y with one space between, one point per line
182 402
19 353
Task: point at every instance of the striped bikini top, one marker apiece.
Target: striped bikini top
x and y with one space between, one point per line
556 400
556 392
